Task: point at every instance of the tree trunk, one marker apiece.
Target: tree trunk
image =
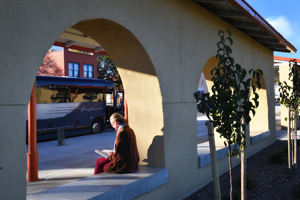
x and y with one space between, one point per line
295 141
214 161
289 144
230 172
244 169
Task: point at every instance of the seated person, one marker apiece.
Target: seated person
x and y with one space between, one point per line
125 158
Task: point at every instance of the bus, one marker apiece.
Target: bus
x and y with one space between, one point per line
77 105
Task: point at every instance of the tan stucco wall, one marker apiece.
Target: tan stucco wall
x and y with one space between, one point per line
262 121
284 77
160 48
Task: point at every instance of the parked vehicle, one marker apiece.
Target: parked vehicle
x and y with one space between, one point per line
277 93
77 105
277 98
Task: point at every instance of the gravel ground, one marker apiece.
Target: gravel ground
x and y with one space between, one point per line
267 180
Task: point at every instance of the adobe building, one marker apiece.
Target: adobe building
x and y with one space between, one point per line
160 47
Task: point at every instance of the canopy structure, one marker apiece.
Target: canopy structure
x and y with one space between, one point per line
241 15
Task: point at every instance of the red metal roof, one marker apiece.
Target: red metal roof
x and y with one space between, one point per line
283 58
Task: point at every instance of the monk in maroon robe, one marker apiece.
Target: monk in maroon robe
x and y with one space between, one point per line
125 158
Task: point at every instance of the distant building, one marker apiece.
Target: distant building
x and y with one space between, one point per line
79 62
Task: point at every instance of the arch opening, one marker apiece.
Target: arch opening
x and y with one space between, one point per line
140 83
209 65
260 121
139 79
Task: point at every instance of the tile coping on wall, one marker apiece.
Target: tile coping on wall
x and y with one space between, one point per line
204 152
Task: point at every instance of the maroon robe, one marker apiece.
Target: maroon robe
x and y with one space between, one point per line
126 156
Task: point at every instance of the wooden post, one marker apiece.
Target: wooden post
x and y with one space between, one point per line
32 155
214 162
295 141
244 168
289 144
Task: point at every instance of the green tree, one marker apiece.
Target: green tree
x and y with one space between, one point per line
229 106
107 70
289 94
289 97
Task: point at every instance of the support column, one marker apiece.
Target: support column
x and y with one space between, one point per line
32 155
126 111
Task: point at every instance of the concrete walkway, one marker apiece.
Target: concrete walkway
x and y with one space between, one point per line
60 165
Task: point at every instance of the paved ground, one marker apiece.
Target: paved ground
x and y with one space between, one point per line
59 165
201 128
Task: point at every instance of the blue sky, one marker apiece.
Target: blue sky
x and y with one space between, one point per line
284 16
56 48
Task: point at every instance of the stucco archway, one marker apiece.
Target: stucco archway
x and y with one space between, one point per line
139 79
260 121
209 65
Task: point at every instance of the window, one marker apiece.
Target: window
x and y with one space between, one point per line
88 71
62 94
50 94
73 69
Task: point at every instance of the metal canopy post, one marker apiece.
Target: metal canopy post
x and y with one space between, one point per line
126 110
32 155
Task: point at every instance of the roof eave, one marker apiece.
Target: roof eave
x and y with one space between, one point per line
249 12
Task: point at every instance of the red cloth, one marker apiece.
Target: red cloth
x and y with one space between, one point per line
126 156
101 165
